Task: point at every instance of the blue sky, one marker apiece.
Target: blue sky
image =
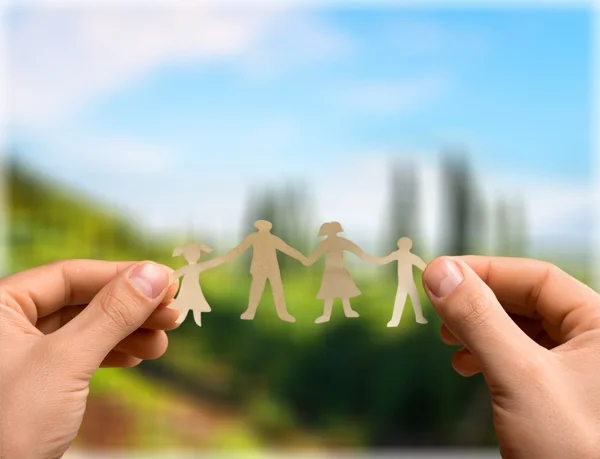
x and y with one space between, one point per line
302 92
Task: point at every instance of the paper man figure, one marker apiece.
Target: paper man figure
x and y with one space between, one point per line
406 283
190 296
336 282
265 267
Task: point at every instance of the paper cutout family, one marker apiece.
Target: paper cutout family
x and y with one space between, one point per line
336 282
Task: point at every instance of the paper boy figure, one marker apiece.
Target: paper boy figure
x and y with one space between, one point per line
406 283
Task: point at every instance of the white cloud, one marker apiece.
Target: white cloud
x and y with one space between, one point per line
559 213
353 192
295 39
399 96
64 57
563 212
126 157
91 154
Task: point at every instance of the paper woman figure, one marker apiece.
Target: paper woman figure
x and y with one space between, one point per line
336 282
265 267
406 282
190 295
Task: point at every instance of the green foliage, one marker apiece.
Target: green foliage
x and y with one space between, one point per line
349 382
287 208
510 218
403 214
459 203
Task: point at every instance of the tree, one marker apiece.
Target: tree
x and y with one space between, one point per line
403 209
287 208
458 203
293 219
511 238
503 228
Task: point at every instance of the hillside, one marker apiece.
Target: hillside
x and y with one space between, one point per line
347 383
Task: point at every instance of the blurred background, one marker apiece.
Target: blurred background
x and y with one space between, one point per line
134 128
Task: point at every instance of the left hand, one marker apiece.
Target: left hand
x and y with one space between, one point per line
59 323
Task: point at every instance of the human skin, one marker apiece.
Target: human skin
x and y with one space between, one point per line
533 331
59 323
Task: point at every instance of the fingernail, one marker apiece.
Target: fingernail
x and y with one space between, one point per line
149 279
443 278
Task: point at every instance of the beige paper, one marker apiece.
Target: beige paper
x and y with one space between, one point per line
190 296
265 267
337 282
406 283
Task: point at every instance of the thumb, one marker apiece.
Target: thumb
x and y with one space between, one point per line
472 313
119 309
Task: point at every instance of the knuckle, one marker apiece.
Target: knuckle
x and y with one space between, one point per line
471 310
546 271
549 272
552 269
65 264
59 262
474 309
118 307
13 306
5 297
554 273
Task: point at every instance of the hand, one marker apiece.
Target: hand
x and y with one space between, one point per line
307 261
373 259
534 333
58 324
377 260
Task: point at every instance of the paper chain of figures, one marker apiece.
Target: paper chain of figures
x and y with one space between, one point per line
336 283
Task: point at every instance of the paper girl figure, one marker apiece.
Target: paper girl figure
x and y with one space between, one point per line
406 283
265 267
190 295
336 282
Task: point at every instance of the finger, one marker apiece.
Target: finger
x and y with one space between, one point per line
161 319
51 323
465 364
535 329
537 288
448 337
46 289
538 330
474 316
119 309
531 327
116 359
144 344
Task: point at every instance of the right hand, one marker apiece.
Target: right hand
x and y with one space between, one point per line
534 333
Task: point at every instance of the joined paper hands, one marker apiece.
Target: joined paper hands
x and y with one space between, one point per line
336 282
